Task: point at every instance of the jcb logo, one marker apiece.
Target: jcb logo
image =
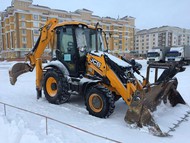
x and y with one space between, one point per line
95 62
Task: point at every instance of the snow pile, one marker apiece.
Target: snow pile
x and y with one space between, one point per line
13 132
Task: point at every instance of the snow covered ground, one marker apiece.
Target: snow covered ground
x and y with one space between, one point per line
21 127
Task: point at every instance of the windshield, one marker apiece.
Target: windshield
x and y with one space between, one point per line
173 54
153 54
91 40
86 39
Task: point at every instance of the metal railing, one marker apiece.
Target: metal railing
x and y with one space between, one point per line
5 105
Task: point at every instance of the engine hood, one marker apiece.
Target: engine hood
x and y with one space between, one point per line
117 60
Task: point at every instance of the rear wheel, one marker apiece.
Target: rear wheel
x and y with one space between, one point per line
99 101
55 87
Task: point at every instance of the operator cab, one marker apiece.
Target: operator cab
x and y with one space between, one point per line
73 43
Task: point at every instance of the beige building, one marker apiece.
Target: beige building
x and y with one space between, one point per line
1 43
162 36
21 21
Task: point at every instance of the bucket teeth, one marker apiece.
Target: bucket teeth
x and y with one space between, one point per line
142 117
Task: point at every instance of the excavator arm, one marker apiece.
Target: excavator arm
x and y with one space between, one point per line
34 56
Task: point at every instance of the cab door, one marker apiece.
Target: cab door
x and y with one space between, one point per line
66 51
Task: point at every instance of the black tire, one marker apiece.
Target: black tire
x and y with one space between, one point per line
55 87
116 97
99 101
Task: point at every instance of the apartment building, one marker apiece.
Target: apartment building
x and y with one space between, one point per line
21 22
1 44
162 36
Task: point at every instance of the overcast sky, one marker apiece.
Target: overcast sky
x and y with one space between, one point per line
148 13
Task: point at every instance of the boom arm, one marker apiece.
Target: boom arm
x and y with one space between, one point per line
43 40
34 56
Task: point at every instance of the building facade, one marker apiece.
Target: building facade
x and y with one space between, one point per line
22 20
1 43
165 36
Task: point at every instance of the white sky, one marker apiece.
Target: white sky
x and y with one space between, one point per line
148 13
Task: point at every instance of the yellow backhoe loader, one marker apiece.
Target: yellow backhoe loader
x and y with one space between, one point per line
80 65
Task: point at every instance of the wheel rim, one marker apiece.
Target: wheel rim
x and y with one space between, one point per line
51 86
95 102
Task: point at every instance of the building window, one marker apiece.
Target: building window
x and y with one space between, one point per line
23 24
35 24
24 45
36 32
23 31
43 18
35 17
61 20
24 39
23 16
35 39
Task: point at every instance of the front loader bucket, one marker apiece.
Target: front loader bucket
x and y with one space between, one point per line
144 102
18 69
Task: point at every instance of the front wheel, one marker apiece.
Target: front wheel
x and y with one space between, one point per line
99 101
55 87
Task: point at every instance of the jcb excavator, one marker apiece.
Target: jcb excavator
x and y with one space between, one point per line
82 66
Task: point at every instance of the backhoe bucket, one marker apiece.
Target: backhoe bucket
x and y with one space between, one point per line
144 102
18 69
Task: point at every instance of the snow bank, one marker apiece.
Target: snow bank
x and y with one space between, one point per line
12 132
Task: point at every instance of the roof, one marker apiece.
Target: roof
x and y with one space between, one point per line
71 23
75 23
